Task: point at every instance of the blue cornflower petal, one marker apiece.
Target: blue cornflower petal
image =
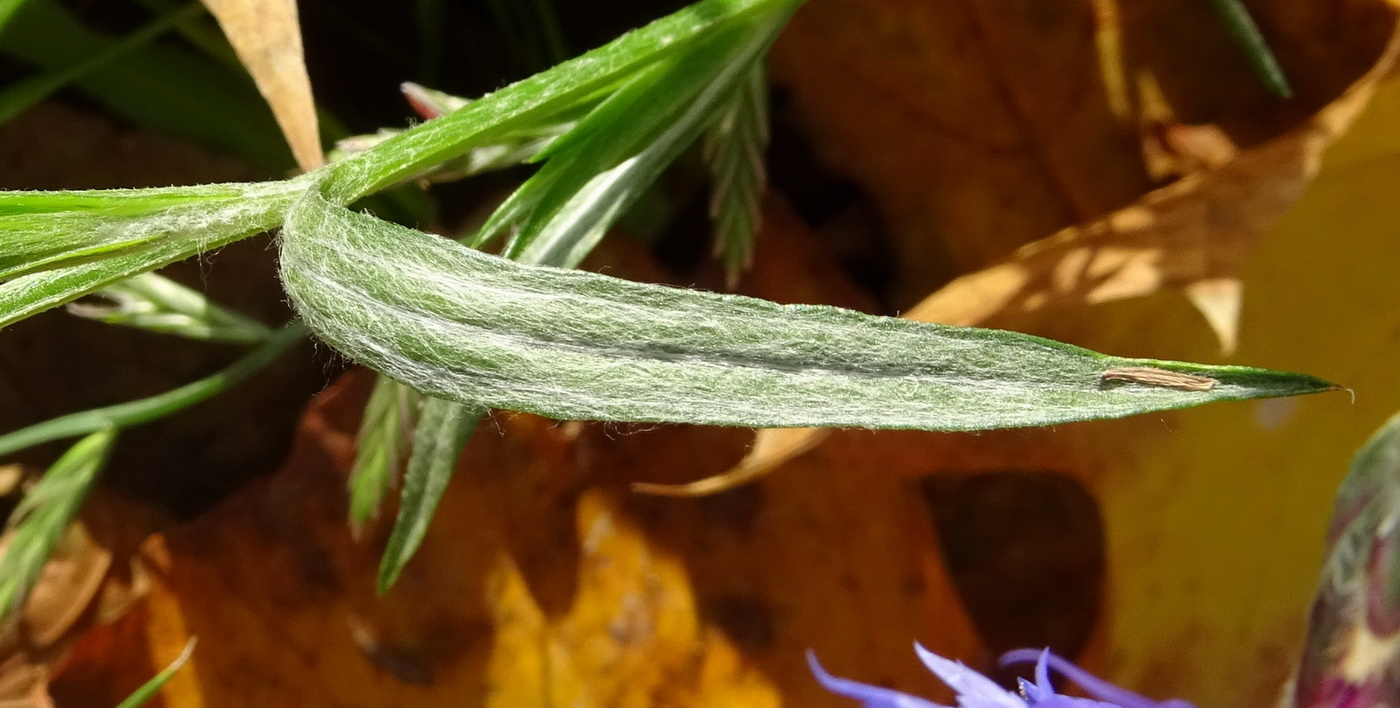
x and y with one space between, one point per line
974 690
1093 685
869 696
977 691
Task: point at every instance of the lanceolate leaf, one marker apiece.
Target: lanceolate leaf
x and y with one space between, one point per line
388 423
442 431
479 329
153 302
734 148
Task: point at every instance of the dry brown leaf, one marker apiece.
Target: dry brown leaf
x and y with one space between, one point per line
266 34
979 127
1194 235
90 581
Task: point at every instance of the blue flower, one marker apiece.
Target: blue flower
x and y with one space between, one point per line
977 691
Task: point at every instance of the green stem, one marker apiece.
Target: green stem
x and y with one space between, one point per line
125 415
1246 34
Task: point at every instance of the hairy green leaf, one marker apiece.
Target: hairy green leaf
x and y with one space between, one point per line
46 230
442 431
389 420
479 329
58 246
153 302
43 516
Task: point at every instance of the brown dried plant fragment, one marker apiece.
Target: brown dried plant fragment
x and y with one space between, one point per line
1151 376
266 34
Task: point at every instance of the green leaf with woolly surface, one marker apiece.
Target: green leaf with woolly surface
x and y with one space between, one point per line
460 324
131 232
44 514
442 431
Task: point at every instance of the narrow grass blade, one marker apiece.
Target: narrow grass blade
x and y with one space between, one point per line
734 147
153 302
23 95
459 324
125 415
442 431
389 420
541 98
43 516
149 689
1246 34
665 114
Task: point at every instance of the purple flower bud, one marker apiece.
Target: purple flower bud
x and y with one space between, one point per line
977 691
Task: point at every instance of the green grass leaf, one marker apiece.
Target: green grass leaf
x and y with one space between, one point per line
389 420
541 99
734 147
598 169
1251 41
158 304
459 324
442 430
124 415
22 95
148 690
42 517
